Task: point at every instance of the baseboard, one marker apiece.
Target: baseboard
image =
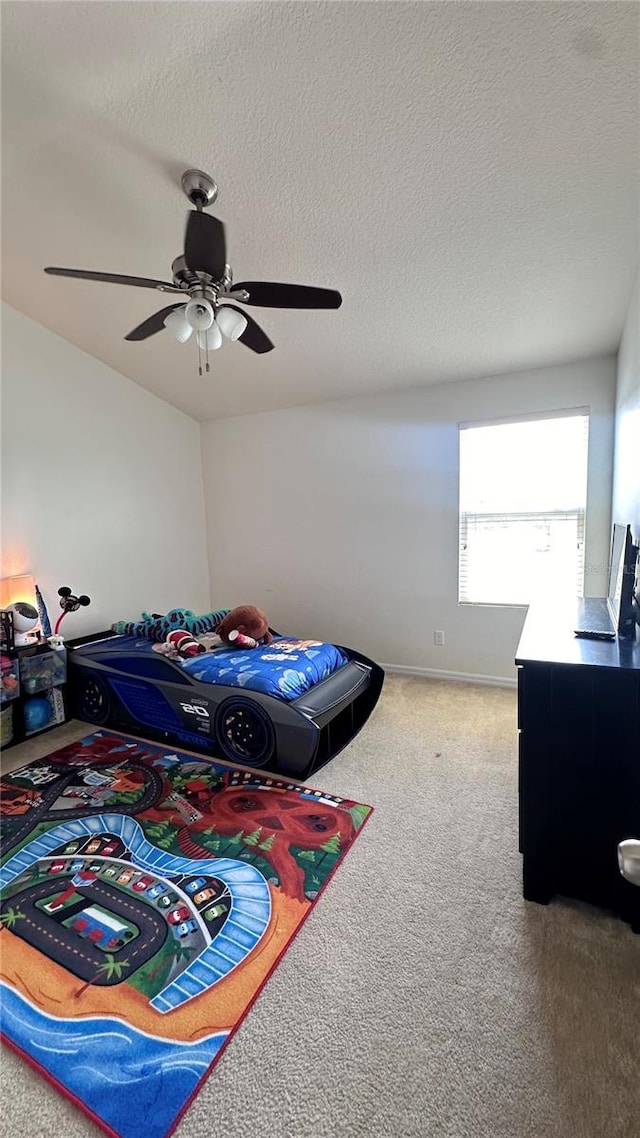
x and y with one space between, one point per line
455 677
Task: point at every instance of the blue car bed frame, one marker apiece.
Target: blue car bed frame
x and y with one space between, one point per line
113 685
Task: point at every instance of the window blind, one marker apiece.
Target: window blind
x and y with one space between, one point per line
522 510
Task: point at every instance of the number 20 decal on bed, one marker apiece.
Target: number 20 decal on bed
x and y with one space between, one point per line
195 709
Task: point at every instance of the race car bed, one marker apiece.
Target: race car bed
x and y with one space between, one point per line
288 707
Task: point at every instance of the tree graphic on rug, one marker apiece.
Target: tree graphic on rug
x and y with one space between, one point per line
332 846
109 968
277 821
164 834
317 864
234 843
10 917
209 839
153 975
292 821
182 952
254 838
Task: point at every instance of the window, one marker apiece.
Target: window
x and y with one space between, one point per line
523 492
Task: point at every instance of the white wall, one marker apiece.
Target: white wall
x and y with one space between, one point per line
102 483
341 519
626 482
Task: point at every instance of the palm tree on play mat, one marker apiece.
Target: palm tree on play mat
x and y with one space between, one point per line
108 969
178 952
9 918
34 873
182 952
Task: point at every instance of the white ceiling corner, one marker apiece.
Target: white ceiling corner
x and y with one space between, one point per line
465 173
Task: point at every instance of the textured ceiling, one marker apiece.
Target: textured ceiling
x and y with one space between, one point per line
466 175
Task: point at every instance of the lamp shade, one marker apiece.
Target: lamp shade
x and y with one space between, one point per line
18 595
14 589
210 340
232 323
178 325
199 314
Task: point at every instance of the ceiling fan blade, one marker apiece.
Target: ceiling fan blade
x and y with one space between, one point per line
205 248
270 295
113 278
253 337
152 324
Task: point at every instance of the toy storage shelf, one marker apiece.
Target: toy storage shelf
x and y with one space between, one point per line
41 701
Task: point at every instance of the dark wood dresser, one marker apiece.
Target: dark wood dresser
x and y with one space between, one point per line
579 762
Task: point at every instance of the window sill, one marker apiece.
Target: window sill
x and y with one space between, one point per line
493 605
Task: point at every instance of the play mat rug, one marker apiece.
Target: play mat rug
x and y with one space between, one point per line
146 895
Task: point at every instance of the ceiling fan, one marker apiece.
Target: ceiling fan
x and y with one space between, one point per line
204 281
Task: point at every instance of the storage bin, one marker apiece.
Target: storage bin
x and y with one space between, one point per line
42 671
41 711
6 725
9 678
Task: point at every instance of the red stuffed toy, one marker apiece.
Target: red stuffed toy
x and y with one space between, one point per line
179 643
249 623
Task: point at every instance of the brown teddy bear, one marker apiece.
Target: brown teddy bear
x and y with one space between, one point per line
248 623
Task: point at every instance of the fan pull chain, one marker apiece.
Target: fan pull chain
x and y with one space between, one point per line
199 359
207 354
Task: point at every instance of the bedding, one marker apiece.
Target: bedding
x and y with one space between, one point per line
285 668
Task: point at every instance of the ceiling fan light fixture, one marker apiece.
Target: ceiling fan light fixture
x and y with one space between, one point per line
177 324
199 314
232 323
211 339
203 279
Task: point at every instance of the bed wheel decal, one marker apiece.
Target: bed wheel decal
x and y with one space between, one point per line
244 732
93 701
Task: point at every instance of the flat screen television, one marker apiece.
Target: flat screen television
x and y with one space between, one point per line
622 592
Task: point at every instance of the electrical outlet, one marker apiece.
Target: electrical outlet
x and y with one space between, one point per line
438 637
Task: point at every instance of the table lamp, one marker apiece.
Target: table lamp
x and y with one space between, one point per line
17 596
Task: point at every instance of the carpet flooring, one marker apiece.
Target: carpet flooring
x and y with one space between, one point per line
423 998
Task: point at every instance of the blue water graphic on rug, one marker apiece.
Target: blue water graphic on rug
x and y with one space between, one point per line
95 1058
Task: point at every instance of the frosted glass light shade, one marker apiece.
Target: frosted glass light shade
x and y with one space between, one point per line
210 340
199 313
178 325
232 323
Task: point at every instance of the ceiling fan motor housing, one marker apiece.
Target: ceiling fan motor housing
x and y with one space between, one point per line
184 278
